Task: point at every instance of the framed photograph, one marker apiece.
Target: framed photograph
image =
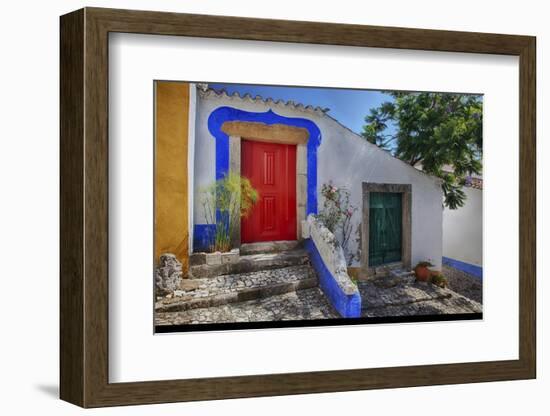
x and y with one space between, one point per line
279 193
256 207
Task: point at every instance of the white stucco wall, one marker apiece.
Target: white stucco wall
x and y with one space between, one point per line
344 158
205 151
463 229
191 158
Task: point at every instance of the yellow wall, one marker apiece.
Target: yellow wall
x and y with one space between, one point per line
171 181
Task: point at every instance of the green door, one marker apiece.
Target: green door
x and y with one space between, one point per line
385 228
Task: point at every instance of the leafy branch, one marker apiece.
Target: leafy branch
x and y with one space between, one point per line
439 132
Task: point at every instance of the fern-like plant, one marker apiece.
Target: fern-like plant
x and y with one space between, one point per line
224 203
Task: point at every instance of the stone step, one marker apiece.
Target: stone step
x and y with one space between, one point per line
251 263
402 276
222 290
386 269
300 305
269 247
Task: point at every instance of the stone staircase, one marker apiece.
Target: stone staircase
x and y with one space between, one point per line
250 263
262 271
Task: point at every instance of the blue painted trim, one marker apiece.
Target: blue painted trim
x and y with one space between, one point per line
203 236
348 306
223 114
476 271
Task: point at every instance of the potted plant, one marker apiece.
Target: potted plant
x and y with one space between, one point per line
422 272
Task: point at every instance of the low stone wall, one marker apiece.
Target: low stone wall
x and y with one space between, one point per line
328 260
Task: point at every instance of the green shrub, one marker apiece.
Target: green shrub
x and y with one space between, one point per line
438 279
225 202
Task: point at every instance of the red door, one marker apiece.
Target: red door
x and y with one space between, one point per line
271 168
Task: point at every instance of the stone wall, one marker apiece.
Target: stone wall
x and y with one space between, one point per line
328 260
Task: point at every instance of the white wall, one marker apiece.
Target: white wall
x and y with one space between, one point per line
343 158
205 154
463 229
193 97
29 212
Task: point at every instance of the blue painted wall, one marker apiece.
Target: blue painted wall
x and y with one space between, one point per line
348 306
203 236
472 269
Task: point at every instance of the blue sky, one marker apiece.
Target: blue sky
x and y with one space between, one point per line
349 107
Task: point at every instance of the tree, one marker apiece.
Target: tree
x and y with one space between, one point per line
437 131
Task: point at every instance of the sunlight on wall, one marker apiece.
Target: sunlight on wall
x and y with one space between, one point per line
171 181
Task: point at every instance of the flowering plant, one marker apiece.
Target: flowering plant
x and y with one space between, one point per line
336 214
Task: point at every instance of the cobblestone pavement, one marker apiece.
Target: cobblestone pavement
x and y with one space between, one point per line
300 305
464 283
383 297
225 287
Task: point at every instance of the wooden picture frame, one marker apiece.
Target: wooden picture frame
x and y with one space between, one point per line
84 207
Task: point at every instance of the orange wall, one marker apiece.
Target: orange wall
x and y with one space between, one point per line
171 181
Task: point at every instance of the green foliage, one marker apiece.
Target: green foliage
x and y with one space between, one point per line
439 280
434 130
377 123
225 202
452 190
336 214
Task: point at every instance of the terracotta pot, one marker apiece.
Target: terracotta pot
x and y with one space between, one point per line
422 273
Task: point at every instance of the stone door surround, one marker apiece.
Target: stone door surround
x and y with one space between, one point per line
406 204
273 133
